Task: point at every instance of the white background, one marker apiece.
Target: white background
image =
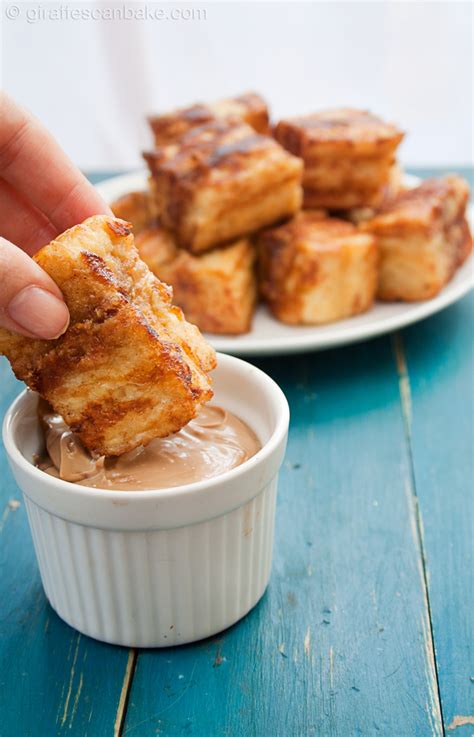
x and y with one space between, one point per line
92 82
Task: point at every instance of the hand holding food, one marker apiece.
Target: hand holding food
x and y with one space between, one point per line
34 208
129 367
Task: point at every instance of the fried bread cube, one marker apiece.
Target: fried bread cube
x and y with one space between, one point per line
136 208
222 182
423 237
249 108
391 189
347 156
316 269
129 368
217 290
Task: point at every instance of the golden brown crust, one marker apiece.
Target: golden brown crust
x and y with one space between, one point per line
216 290
340 126
423 237
222 182
464 244
136 208
425 207
393 187
347 156
316 269
129 368
249 108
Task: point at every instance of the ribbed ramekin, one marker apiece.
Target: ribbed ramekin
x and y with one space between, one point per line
165 567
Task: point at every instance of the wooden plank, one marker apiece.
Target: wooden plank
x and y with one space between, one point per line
52 680
341 642
439 412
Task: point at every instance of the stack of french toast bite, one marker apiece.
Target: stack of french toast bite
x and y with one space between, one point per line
310 215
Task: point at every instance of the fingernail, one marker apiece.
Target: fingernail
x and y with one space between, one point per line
40 312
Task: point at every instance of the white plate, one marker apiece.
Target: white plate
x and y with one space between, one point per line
270 337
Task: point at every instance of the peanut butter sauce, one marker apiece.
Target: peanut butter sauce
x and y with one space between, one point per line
209 445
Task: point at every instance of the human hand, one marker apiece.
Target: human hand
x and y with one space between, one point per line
42 193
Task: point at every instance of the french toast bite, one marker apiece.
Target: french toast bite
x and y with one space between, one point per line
389 191
129 368
248 108
136 208
216 290
423 238
316 269
347 156
221 182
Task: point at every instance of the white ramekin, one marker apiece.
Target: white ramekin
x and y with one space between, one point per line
164 567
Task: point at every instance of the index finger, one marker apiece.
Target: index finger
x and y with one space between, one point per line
34 164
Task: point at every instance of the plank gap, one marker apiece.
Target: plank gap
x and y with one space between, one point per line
125 692
415 511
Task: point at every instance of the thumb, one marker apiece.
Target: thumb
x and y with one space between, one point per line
30 302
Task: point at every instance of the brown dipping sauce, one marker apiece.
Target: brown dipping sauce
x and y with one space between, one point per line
214 442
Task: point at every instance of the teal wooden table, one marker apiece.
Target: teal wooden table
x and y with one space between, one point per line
366 627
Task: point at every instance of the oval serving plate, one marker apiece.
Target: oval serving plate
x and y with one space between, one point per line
271 337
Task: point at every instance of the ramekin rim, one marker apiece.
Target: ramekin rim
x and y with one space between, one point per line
182 491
